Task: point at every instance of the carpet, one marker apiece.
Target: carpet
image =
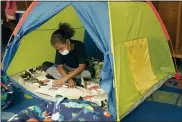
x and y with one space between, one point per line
163 106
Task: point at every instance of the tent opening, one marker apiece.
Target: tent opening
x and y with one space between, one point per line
35 48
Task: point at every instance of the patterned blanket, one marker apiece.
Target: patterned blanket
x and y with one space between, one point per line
92 93
63 110
30 78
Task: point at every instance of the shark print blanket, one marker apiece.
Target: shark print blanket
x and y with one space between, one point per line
63 110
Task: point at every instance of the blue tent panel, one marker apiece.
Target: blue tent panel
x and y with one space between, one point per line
41 13
95 18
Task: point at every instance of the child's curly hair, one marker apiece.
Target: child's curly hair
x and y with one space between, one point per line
65 31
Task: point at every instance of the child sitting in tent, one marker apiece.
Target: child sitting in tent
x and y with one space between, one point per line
70 61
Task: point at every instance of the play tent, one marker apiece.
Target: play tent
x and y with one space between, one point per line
130 35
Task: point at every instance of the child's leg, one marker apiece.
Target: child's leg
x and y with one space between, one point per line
46 65
51 69
85 74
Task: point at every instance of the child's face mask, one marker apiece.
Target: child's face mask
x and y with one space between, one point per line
65 52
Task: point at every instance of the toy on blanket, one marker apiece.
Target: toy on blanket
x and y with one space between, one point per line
98 68
29 75
26 75
94 66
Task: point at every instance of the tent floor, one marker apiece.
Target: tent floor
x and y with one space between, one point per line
45 93
164 105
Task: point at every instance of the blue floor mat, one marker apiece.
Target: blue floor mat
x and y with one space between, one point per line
159 110
170 89
155 112
22 102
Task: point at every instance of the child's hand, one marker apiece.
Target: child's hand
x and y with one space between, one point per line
71 83
44 81
59 83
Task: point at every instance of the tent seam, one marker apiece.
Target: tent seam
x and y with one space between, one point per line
114 79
